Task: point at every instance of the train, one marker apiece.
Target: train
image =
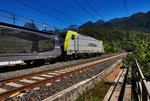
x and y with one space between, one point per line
19 43
73 43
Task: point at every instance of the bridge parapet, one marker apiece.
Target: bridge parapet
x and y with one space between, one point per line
141 84
12 18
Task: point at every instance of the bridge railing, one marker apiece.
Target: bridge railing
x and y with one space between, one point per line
11 18
141 85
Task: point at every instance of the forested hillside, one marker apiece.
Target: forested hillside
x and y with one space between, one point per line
113 34
136 22
115 41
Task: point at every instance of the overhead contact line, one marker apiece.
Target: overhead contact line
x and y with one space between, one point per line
84 9
94 9
40 11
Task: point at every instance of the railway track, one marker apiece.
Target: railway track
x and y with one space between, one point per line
12 87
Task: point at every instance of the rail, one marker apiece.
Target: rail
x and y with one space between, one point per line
141 85
51 75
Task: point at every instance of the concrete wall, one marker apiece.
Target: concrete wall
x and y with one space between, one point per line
73 92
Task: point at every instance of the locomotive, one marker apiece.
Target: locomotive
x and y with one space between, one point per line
73 43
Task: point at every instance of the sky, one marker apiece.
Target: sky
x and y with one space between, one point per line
109 9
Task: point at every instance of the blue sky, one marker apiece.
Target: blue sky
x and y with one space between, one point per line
109 9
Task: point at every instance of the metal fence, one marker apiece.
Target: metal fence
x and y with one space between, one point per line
11 18
141 85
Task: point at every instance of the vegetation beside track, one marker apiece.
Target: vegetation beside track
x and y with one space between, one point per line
99 90
95 94
115 40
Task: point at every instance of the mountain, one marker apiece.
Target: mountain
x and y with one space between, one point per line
72 28
137 22
99 22
137 14
140 23
91 24
88 24
115 20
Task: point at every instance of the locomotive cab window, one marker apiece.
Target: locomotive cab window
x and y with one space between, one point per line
73 37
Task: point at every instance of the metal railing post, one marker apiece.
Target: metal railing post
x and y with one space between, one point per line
144 93
32 23
14 22
45 26
142 88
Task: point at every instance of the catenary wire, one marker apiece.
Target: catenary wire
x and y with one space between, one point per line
94 9
84 9
126 22
57 11
38 10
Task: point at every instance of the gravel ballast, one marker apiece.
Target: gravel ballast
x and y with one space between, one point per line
16 71
44 91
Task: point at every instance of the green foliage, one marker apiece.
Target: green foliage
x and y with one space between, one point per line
142 54
95 94
116 40
136 22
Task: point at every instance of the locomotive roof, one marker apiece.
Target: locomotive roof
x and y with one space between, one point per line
91 38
